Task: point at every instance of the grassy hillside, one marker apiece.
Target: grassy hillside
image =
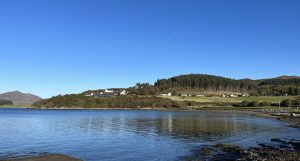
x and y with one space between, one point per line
145 95
19 98
76 101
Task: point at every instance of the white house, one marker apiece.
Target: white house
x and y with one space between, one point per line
245 95
89 95
108 91
166 94
184 95
123 93
233 95
200 95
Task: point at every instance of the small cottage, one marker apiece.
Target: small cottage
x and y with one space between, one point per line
166 94
123 93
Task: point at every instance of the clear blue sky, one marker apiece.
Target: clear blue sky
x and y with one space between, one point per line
50 47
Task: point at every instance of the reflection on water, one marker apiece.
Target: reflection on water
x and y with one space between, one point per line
129 135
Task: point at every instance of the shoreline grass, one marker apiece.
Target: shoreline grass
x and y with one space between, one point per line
271 99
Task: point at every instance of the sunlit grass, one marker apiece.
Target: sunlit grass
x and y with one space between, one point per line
271 99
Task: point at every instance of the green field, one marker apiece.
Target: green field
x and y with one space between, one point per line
272 99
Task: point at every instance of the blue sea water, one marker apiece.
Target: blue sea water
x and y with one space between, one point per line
130 135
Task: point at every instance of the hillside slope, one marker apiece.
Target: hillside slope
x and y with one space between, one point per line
276 86
19 98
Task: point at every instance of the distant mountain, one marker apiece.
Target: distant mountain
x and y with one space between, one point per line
19 98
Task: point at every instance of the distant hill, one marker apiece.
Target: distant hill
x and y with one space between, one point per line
19 98
287 77
143 95
284 85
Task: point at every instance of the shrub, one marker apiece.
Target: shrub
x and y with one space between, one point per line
190 103
286 103
253 104
249 104
245 104
296 102
274 104
237 105
264 104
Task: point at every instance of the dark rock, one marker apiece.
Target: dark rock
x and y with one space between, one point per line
206 151
295 144
278 140
223 152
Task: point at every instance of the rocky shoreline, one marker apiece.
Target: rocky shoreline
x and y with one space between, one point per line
276 150
279 151
286 117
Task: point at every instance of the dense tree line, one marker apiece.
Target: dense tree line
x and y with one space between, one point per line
216 83
6 102
207 82
281 82
276 90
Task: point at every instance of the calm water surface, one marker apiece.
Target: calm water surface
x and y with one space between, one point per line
131 135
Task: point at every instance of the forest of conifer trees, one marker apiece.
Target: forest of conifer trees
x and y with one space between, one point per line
217 83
